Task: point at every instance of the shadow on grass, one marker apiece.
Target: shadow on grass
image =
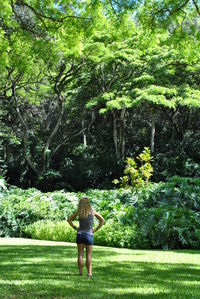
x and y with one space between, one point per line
187 251
51 272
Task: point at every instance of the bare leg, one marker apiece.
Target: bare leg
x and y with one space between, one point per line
80 248
89 258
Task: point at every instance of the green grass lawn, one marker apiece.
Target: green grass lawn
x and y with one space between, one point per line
32 269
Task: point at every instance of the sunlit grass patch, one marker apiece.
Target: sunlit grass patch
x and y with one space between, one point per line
49 270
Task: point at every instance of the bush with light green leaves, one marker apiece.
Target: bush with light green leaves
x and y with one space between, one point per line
137 176
51 230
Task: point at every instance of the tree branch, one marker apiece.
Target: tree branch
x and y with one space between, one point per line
113 77
196 6
41 16
46 161
171 12
26 132
103 78
74 135
19 17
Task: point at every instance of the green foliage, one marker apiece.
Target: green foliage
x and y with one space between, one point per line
156 95
177 192
3 166
112 234
19 208
116 234
179 158
166 227
51 230
136 176
2 183
112 67
160 215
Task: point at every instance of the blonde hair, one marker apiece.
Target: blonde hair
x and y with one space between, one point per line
84 208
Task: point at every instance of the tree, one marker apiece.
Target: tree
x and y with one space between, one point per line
152 82
115 65
41 45
62 64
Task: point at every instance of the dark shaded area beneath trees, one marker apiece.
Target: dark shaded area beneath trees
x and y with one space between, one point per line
78 167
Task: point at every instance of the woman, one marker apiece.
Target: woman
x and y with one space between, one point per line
85 232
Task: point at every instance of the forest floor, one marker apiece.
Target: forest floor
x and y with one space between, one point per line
42 269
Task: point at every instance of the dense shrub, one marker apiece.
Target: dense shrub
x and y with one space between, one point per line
176 192
112 234
51 230
137 175
19 208
163 215
165 227
116 234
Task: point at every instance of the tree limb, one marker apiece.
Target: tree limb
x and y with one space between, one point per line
74 135
19 17
171 12
42 16
26 131
196 6
113 77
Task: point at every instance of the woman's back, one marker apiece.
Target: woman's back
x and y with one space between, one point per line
85 225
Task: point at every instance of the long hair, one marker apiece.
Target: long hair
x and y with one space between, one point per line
84 208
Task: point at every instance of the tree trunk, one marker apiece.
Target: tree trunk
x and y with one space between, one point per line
115 135
153 131
46 152
119 140
84 134
26 131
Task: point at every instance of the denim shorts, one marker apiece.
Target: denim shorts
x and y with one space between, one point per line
84 238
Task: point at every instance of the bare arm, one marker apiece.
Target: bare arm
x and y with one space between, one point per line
71 219
101 221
